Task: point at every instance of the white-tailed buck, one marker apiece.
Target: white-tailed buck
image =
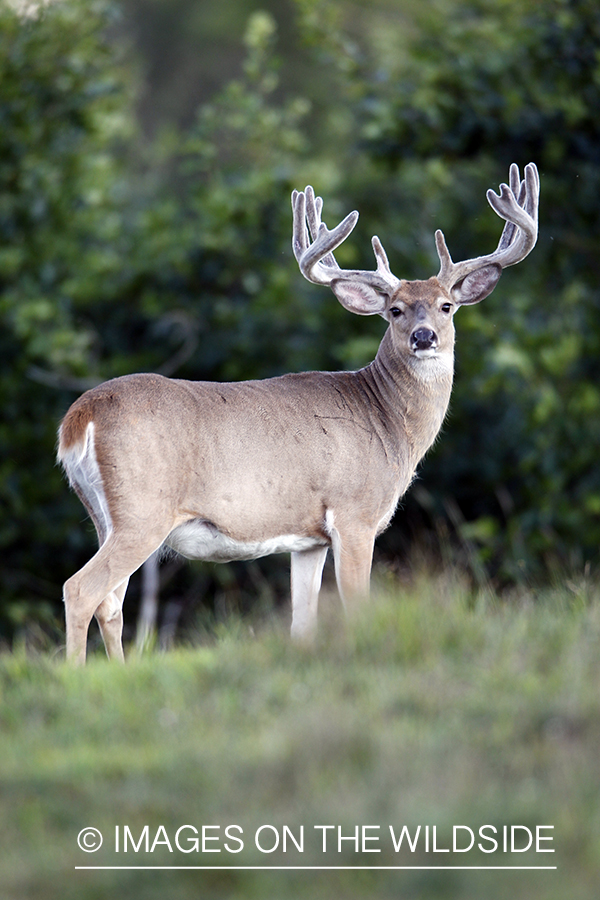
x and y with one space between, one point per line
297 464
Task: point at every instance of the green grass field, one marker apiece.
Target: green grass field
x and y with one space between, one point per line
437 708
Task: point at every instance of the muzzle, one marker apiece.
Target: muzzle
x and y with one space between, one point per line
423 339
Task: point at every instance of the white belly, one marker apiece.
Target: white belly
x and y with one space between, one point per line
203 540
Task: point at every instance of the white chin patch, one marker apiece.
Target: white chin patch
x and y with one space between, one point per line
431 364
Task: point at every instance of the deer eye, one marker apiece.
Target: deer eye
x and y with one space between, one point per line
395 311
446 307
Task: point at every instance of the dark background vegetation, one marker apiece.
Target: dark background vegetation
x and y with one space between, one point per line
148 149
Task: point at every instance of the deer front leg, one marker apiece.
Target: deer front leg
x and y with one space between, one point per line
353 558
307 571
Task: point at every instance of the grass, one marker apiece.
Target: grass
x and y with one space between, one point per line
436 708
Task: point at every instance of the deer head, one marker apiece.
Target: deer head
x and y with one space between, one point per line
419 312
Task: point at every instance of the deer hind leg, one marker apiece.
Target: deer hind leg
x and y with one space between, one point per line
99 587
353 557
109 616
307 571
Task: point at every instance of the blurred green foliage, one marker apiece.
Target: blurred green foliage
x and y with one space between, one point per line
63 122
120 252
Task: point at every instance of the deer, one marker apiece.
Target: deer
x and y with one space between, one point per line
300 463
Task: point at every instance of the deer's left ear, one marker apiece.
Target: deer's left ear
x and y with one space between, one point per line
359 297
477 285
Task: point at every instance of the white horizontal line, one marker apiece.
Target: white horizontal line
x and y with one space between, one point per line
326 868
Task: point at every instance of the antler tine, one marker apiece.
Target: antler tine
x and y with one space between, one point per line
519 190
314 207
383 266
317 262
517 203
514 181
300 240
313 260
520 209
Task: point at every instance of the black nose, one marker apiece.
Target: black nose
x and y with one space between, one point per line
423 339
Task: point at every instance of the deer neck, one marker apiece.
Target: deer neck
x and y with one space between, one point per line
413 395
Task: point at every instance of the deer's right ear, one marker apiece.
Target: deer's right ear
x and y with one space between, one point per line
358 297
